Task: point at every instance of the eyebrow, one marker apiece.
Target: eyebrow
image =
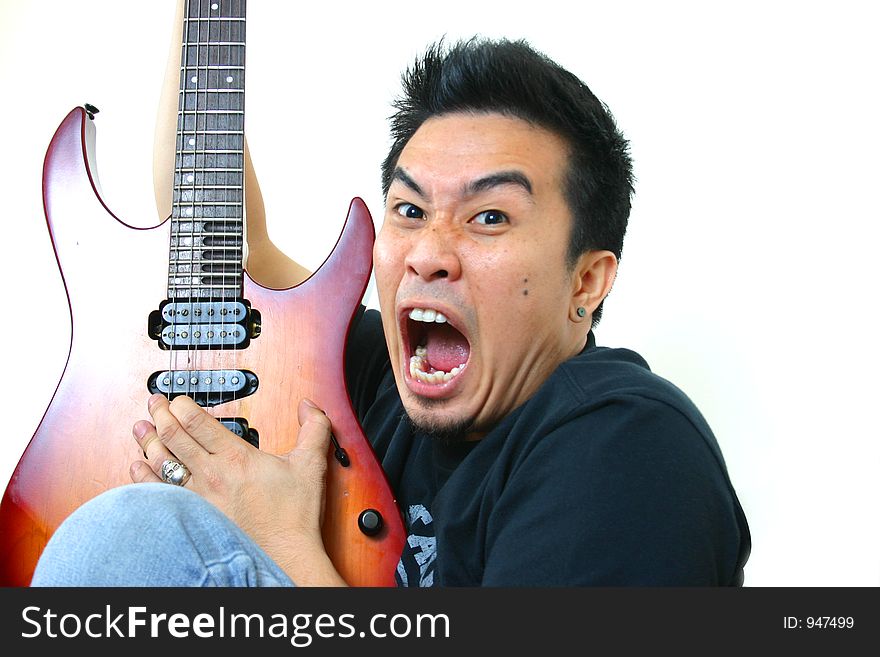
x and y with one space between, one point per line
475 186
499 179
403 176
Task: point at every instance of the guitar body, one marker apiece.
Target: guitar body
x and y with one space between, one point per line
113 277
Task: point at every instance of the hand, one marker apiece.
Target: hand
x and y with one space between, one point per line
276 499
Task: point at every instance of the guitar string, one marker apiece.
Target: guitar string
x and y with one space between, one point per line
192 296
237 90
208 200
200 137
176 272
223 157
192 366
183 180
232 193
225 36
220 158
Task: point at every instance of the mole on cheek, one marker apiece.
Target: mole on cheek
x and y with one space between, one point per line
526 290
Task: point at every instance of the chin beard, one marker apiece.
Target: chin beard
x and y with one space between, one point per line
450 432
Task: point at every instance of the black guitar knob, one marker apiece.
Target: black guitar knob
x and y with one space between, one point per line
370 522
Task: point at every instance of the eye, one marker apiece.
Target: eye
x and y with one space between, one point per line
490 218
409 211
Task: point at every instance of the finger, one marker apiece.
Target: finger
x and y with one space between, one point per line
314 427
172 434
154 449
140 472
203 427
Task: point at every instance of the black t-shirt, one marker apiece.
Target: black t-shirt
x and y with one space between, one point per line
607 476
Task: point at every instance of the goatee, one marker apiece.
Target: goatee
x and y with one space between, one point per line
448 433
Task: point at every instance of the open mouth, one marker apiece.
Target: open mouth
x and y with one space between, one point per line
437 351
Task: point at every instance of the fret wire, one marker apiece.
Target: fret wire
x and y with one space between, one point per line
213 44
185 247
229 285
205 274
206 293
215 170
203 247
184 286
199 234
210 262
211 67
233 260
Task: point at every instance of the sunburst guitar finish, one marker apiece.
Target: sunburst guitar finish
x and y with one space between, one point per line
115 282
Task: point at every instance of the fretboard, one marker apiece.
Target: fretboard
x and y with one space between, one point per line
207 229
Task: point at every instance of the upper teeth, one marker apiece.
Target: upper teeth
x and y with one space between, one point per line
427 315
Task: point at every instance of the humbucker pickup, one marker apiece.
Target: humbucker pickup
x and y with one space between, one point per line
223 324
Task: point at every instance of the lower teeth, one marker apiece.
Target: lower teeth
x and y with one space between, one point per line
417 364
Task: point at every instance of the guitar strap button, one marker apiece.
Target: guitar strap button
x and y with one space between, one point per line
370 522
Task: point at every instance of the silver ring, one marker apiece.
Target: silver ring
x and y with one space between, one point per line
174 472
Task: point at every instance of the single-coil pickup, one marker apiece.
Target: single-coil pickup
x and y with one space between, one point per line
206 387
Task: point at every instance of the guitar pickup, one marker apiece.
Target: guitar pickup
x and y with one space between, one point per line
206 387
239 426
224 324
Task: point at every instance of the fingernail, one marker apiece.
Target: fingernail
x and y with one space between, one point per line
140 429
309 402
153 399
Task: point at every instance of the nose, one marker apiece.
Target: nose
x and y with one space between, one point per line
432 255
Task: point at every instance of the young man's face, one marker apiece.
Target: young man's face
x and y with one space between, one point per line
470 265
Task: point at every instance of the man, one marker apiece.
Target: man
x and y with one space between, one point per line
521 453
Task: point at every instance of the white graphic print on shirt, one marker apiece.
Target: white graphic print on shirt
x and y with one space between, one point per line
416 566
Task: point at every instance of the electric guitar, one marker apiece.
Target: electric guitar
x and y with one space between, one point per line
172 309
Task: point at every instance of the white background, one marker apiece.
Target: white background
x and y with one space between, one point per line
748 276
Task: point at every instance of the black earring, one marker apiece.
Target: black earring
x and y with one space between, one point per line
581 311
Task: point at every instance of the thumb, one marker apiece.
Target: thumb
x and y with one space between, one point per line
314 427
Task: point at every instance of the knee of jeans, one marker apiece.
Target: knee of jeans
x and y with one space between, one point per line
137 501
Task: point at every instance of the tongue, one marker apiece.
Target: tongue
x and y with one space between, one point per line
447 348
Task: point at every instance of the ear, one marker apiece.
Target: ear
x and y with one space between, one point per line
592 278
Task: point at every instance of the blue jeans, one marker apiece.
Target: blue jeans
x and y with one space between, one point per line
153 535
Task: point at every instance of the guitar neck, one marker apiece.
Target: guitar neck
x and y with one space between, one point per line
207 219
